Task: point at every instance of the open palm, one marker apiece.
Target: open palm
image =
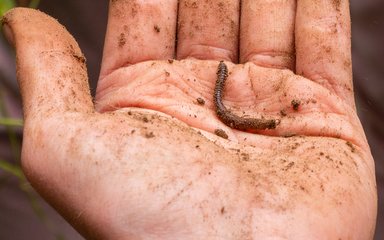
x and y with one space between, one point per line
144 159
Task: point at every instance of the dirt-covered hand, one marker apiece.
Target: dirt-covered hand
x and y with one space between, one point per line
149 158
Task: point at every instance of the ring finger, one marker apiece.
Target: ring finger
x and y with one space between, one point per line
267 33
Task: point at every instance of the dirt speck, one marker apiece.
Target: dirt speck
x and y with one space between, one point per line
156 28
289 166
350 145
149 135
295 145
200 101
122 40
192 4
336 4
222 210
221 133
80 58
295 104
245 157
289 135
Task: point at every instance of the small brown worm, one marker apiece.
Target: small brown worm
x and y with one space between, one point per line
230 119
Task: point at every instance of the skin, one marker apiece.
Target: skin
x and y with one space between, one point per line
142 161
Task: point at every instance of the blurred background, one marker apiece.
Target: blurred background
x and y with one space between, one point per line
24 215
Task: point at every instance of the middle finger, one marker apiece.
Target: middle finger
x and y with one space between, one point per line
208 29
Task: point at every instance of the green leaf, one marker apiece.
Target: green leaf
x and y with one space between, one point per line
12 169
11 122
5 5
34 3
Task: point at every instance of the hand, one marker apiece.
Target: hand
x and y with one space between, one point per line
143 161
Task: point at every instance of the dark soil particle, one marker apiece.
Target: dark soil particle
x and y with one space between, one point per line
336 4
353 149
150 135
290 165
221 133
295 104
288 135
122 40
245 157
80 58
222 210
170 61
200 101
156 28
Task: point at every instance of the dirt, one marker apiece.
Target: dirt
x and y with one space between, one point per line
222 210
149 135
122 40
200 101
350 145
295 104
336 4
221 133
156 28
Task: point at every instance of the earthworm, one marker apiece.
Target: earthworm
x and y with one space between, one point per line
230 119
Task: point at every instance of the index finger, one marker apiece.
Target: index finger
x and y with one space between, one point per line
138 31
323 45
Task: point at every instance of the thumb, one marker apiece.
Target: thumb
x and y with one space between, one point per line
50 66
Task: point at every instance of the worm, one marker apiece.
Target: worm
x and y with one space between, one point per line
230 119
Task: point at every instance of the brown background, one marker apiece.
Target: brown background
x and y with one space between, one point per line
86 20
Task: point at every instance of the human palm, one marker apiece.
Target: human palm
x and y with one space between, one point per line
143 161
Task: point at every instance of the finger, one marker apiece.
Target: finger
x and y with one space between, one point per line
50 66
208 30
138 31
323 45
267 33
